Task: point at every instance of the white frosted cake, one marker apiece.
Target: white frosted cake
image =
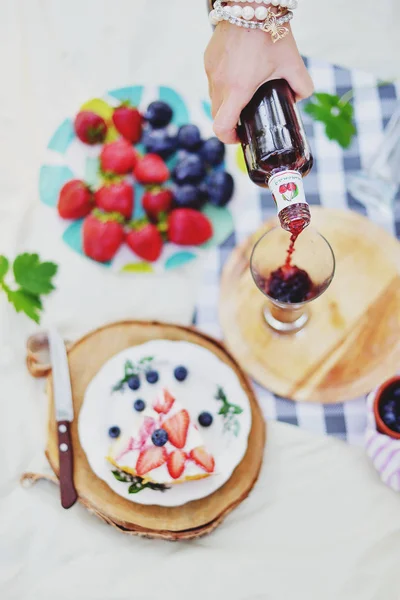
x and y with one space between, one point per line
164 416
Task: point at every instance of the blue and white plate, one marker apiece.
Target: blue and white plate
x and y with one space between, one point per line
68 158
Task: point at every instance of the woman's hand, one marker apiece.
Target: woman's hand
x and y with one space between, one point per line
238 61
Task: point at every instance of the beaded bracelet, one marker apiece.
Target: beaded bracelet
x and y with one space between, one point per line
272 23
290 4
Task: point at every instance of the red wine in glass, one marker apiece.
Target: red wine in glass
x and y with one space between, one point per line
276 151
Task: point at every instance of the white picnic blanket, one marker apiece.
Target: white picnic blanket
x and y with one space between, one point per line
319 523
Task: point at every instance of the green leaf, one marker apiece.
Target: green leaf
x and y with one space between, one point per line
4 264
236 428
146 359
335 115
236 409
135 488
129 368
224 410
118 386
32 275
119 476
25 302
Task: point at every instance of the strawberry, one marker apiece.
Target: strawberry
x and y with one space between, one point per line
177 428
157 200
203 459
75 200
149 459
90 128
103 234
116 195
188 227
128 122
145 240
164 403
151 169
118 157
283 188
176 463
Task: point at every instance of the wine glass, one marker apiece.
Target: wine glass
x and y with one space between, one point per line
291 282
378 185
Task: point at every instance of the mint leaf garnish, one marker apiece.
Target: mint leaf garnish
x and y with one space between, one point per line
136 483
228 412
336 114
120 476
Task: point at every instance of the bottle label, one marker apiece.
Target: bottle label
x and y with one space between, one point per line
287 189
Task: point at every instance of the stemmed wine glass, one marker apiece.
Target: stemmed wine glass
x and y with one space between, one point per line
291 281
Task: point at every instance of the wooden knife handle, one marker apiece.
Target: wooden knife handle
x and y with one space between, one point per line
67 487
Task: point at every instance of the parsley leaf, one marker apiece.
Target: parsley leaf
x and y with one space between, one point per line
32 280
336 115
4 264
32 275
25 302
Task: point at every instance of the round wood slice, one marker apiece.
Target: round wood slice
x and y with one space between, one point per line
196 518
352 341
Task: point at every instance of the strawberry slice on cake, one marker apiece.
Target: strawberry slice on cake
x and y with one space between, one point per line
163 446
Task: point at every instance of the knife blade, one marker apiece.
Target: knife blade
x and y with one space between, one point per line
64 408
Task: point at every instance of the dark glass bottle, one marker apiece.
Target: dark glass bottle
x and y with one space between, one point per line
276 150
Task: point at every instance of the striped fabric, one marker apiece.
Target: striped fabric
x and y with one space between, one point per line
383 451
327 186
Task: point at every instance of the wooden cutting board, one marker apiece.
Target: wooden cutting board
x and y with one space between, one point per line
191 520
352 341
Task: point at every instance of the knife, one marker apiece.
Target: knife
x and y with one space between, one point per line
64 416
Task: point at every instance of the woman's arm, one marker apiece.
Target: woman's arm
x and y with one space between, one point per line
238 61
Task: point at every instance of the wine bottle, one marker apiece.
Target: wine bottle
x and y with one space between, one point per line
276 150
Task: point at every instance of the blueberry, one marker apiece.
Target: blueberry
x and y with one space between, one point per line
289 289
190 169
114 432
220 187
152 376
160 141
134 382
158 114
391 405
213 151
181 373
189 137
203 189
389 418
159 437
139 405
188 196
205 419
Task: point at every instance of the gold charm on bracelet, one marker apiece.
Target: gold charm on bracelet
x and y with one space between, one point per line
272 26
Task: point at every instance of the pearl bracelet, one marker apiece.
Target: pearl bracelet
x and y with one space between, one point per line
290 4
271 23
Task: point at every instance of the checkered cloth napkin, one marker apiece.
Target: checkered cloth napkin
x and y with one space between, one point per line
326 185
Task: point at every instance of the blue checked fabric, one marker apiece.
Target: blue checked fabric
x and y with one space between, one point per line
327 186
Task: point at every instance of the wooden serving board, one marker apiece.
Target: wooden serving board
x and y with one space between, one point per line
352 341
196 518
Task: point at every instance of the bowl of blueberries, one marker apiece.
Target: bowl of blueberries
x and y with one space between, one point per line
387 408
